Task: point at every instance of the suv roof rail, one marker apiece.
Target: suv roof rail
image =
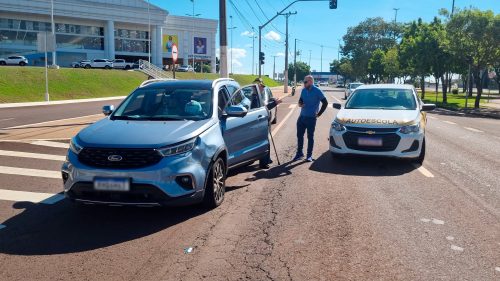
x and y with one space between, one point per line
220 80
147 82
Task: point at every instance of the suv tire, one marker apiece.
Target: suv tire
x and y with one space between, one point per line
107 67
215 186
22 63
2 63
87 66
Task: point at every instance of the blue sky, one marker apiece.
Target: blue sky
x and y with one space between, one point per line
315 24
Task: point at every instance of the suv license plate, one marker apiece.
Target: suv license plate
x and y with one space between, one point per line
369 141
112 184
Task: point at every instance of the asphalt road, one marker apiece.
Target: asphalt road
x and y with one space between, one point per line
334 219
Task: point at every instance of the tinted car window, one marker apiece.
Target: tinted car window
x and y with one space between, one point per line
391 99
252 95
238 99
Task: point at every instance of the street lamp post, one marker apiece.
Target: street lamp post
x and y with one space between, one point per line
193 15
231 28
149 34
53 27
396 14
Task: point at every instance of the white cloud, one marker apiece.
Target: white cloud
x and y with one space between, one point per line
271 35
280 54
238 54
247 33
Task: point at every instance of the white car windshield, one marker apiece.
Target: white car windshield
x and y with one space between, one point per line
390 99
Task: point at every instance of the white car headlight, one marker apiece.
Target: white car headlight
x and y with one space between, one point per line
74 146
415 128
178 148
337 126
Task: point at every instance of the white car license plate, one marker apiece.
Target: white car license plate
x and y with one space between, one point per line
112 184
369 141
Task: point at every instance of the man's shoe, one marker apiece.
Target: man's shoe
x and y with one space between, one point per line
298 157
310 159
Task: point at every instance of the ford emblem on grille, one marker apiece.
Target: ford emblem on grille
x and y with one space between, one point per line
115 158
370 132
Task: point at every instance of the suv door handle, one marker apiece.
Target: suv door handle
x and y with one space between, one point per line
261 117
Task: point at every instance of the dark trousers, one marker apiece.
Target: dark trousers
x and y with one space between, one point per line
304 124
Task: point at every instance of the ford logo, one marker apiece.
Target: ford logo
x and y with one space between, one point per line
115 158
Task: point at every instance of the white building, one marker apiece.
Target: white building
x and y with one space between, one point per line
88 29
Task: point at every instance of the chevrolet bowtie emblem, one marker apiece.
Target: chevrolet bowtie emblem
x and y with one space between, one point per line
370 132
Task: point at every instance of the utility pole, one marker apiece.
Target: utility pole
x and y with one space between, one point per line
287 15
338 59
310 51
453 8
149 33
396 14
253 49
295 63
321 58
274 67
223 38
53 27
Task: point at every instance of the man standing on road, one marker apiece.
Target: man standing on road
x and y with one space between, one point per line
310 97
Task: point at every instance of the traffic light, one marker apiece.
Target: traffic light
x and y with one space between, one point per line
262 57
333 4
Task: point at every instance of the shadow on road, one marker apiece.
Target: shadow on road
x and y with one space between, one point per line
361 166
64 228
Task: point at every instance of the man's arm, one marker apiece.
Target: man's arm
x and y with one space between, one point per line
324 105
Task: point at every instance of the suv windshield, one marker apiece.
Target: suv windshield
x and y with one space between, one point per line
391 99
166 104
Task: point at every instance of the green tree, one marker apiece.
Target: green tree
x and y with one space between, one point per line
362 40
475 39
303 69
347 71
440 57
414 52
376 70
391 64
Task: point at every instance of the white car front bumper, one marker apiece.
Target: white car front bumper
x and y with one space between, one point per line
394 143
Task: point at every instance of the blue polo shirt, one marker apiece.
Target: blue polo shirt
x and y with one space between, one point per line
311 98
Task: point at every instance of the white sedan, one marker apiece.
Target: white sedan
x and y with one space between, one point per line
381 120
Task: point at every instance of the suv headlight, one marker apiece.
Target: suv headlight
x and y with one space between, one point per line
74 146
415 128
337 126
178 148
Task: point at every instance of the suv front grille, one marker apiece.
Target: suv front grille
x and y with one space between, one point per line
130 158
389 141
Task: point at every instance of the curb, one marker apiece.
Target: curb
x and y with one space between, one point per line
29 104
474 113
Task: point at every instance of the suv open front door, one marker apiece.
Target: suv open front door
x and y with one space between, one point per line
246 137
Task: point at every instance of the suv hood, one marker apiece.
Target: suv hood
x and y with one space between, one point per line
377 117
140 134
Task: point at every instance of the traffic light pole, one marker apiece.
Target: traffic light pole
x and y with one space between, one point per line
270 20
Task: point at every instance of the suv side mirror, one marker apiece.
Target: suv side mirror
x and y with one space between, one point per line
236 111
428 107
337 105
108 109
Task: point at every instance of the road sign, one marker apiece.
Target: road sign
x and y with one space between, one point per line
175 54
45 42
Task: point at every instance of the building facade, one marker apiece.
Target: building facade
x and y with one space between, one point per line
89 29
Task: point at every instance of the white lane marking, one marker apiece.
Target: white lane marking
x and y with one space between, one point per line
30 172
497 268
473 130
432 117
424 171
51 144
449 122
6 119
336 99
31 155
425 220
52 121
2 226
292 106
275 131
436 221
26 196
456 248
450 238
